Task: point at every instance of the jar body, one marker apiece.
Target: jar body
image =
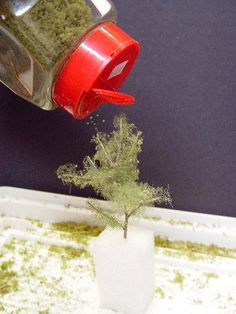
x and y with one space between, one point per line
38 36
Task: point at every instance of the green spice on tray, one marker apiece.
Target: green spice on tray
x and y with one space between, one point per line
50 27
194 251
69 252
2 308
6 265
178 279
29 275
8 278
160 292
44 312
211 275
80 233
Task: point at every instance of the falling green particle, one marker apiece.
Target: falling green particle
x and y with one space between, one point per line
197 301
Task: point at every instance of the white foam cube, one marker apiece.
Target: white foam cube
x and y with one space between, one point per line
125 269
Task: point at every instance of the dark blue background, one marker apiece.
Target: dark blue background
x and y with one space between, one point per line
185 88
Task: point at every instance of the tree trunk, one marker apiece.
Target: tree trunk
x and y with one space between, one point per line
126 225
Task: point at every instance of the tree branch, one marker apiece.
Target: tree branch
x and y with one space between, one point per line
119 149
106 216
152 200
121 131
105 152
126 225
4 286
92 163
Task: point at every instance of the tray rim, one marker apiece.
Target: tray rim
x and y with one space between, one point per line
174 224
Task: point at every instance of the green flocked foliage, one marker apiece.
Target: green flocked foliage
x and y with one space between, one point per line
113 173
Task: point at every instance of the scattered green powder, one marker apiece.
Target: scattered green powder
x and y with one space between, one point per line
69 252
81 233
4 266
67 205
37 223
178 279
201 284
179 222
211 275
28 250
193 250
156 218
2 308
50 27
160 292
230 298
165 269
10 246
8 278
219 296
78 232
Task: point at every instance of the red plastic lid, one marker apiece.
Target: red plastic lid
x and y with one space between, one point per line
95 71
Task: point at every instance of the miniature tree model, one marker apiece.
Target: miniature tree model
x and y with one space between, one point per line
113 173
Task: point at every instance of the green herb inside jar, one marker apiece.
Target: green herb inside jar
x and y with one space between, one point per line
49 28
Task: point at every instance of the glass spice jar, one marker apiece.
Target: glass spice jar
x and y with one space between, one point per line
67 53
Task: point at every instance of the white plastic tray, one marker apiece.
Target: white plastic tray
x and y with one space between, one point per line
207 285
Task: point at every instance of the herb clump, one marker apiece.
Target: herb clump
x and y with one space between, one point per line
113 173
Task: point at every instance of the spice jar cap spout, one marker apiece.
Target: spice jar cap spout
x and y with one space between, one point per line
95 71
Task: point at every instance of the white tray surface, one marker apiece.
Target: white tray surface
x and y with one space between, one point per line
183 285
